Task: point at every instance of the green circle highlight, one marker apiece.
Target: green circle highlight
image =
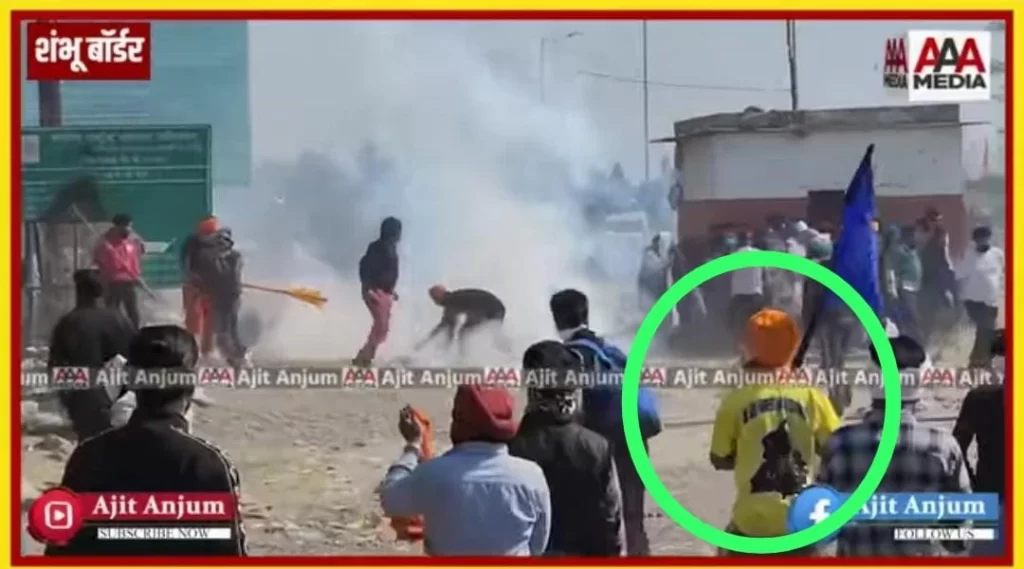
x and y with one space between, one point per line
631 386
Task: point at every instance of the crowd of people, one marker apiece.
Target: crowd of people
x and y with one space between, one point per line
106 316
923 290
560 483
558 480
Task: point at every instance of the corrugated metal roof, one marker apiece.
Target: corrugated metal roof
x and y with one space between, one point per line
858 118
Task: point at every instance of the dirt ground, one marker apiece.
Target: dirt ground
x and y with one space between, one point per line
310 461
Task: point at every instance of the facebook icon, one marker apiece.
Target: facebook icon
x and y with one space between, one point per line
812 506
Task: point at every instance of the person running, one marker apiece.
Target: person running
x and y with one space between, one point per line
889 240
652 279
938 287
378 274
791 293
578 464
475 499
982 420
692 310
118 257
927 459
90 336
154 452
476 308
980 275
747 291
767 434
904 265
601 409
835 331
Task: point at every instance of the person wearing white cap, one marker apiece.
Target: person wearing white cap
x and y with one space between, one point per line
654 269
787 286
927 459
980 275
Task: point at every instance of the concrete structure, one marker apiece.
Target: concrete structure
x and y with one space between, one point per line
986 203
739 168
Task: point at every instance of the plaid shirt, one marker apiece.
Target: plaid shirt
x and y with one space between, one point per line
926 460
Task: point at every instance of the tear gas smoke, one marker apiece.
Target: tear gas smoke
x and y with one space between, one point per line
366 120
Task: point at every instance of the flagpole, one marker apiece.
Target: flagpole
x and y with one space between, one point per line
647 121
811 326
794 96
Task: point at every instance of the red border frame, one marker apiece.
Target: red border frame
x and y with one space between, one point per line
18 16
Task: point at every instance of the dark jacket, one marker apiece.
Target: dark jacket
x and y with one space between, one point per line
185 256
474 303
813 291
692 308
585 499
937 273
152 453
982 421
225 285
89 336
378 269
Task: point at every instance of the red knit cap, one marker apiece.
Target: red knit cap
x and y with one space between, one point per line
483 413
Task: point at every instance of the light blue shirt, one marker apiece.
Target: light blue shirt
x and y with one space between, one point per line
475 499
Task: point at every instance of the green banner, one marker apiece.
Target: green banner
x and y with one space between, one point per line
159 175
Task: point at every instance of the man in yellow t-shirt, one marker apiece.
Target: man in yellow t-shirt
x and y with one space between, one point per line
767 434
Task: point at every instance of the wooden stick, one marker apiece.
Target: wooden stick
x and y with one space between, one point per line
96 234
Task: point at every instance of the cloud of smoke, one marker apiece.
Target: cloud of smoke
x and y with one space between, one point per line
375 119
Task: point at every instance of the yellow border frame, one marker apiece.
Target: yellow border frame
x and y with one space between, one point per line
133 5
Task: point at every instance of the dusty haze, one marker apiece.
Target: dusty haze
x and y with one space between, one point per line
480 173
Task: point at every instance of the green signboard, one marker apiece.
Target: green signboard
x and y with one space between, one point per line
200 75
159 175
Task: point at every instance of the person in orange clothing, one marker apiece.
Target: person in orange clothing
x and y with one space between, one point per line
197 305
118 257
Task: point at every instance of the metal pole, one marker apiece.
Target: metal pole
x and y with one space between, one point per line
49 116
794 97
540 68
49 103
647 122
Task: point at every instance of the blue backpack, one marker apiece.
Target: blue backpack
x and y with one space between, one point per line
604 403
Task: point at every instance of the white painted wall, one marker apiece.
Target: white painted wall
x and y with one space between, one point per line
780 165
698 169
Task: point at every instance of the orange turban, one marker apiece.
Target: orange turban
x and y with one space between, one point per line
771 339
208 225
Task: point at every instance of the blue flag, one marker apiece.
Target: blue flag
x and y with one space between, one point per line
855 257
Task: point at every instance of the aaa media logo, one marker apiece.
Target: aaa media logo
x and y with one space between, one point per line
360 377
941 66
501 376
63 51
217 376
55 517
71 377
